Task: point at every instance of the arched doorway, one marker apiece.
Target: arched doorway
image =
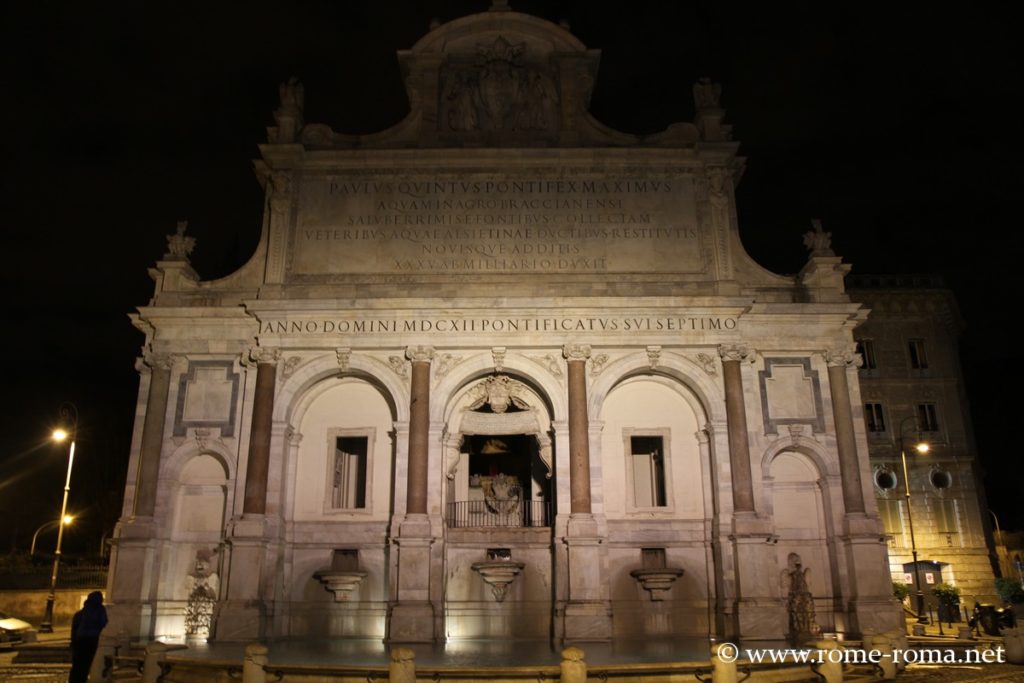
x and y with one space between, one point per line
499 508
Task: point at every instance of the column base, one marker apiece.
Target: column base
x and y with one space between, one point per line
411 622
241 621
875 614
588 622
761 620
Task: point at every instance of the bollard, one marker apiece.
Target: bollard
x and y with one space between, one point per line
831 667
965 633
574 669
723 663
1013 641
252 665
152 666
887 661
898 639
402 668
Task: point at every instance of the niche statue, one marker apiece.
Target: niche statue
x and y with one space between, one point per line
799 602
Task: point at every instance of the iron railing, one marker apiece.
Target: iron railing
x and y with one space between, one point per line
481 513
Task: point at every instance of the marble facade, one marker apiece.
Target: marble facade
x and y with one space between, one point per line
500 332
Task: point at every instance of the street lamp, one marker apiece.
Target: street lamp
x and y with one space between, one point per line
69 417
922 448
66 519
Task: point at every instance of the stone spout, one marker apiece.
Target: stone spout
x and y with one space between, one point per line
341 583
499 575
657 581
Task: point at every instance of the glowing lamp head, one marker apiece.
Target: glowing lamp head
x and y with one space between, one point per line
59 435
922 447
68 519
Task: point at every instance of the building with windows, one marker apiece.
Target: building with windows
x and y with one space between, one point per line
500 371
912 387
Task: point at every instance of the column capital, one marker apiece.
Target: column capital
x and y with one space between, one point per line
261 354
576 352
735 352
419 354
843 356
158 361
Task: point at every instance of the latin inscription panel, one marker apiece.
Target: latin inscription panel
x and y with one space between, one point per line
495 224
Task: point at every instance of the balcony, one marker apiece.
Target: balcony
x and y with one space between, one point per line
484 514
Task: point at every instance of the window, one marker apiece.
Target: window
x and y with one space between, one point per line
941 479
348 489
866 349
874 417
891 512
918 357
647 465
885 478
927 417
945 516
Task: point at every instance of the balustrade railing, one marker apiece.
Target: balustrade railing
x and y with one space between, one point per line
509 513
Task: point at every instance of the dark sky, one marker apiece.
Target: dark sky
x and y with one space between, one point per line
893 125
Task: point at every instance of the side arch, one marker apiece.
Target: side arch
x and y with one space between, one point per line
293 390
672 365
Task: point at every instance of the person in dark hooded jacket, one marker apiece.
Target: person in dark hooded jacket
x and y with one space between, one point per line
86 626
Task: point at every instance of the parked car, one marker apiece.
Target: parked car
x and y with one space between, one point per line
13 630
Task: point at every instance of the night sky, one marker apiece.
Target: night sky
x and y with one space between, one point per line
892 125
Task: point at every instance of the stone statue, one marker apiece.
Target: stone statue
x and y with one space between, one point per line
178 245
799 602
293 98
817 241
706 95
289 114
202 584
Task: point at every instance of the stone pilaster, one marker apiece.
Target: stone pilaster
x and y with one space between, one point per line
588 615
412 618
736 415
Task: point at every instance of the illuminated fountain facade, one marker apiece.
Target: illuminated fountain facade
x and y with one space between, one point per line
498 371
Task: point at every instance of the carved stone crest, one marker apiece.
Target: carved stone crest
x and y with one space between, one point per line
499 393
500 91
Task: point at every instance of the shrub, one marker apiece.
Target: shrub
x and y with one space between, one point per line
1009 589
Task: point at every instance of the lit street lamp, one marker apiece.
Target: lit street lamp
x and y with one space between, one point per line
68 413
66 519
922 448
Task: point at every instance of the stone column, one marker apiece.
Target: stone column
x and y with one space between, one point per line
419 429
412 614
588 615
576 356
736 415
134 555
245 613
258 467
838 361
153 433
867 584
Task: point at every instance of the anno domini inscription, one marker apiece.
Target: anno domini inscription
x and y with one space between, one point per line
495 224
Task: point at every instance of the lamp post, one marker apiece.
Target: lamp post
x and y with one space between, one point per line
922 448
69 417
66 519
